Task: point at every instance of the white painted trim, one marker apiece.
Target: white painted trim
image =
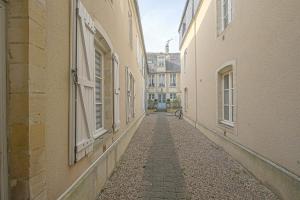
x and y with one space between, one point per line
219 121
3 130
100 131
103 156
103 34
72 87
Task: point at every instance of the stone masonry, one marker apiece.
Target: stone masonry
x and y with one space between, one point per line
26 123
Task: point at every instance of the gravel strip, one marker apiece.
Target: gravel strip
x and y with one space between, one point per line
211 173
169 159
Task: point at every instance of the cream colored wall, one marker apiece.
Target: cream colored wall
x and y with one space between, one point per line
188 72
113 19
263 39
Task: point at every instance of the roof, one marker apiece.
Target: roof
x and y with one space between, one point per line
172 62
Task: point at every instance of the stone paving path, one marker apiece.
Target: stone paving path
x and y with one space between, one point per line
169 159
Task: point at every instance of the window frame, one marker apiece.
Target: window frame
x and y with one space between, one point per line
226 68
173 96
130 26
161 59
100 131
224 20
173 75
152 80
230 105
162 81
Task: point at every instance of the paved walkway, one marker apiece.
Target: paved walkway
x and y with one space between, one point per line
169 159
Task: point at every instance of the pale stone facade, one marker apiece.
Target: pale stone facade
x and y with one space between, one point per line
44 77
240 79
163 77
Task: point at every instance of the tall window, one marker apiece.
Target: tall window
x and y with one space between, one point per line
130 32
99 90
172 96
228 97
152 80
173 80
162 98
224 14
151 97
161 61
161 80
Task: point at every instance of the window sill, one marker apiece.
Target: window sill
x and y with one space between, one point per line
228 124
100 133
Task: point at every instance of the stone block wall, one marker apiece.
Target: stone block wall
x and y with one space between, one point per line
26 98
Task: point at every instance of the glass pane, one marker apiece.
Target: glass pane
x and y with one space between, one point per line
226 81
231 80
226 97
226 113
232 97
98 64
98 116
232 113
98 90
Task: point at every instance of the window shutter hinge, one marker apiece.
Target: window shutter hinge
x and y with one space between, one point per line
75 76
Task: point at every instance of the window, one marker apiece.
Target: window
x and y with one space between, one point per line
151 97
130 32
161 80
224 10
162 98
130 96
152 80
173 80
228 97
173 96
161 61
226 88
98 91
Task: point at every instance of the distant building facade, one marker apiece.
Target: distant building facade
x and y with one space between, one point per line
163 88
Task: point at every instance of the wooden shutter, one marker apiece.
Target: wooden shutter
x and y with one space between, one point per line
127 79
132 96
219 17
85 103
116 92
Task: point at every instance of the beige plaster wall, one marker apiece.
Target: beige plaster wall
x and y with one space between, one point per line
113 19
263 39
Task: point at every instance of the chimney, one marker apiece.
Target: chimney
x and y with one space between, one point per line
167 47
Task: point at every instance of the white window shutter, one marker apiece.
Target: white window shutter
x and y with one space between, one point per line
220 24
116 92
127 94
229 11
85 105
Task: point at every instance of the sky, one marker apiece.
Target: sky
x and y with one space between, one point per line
160 21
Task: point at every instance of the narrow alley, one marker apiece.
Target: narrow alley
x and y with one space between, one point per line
169 159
